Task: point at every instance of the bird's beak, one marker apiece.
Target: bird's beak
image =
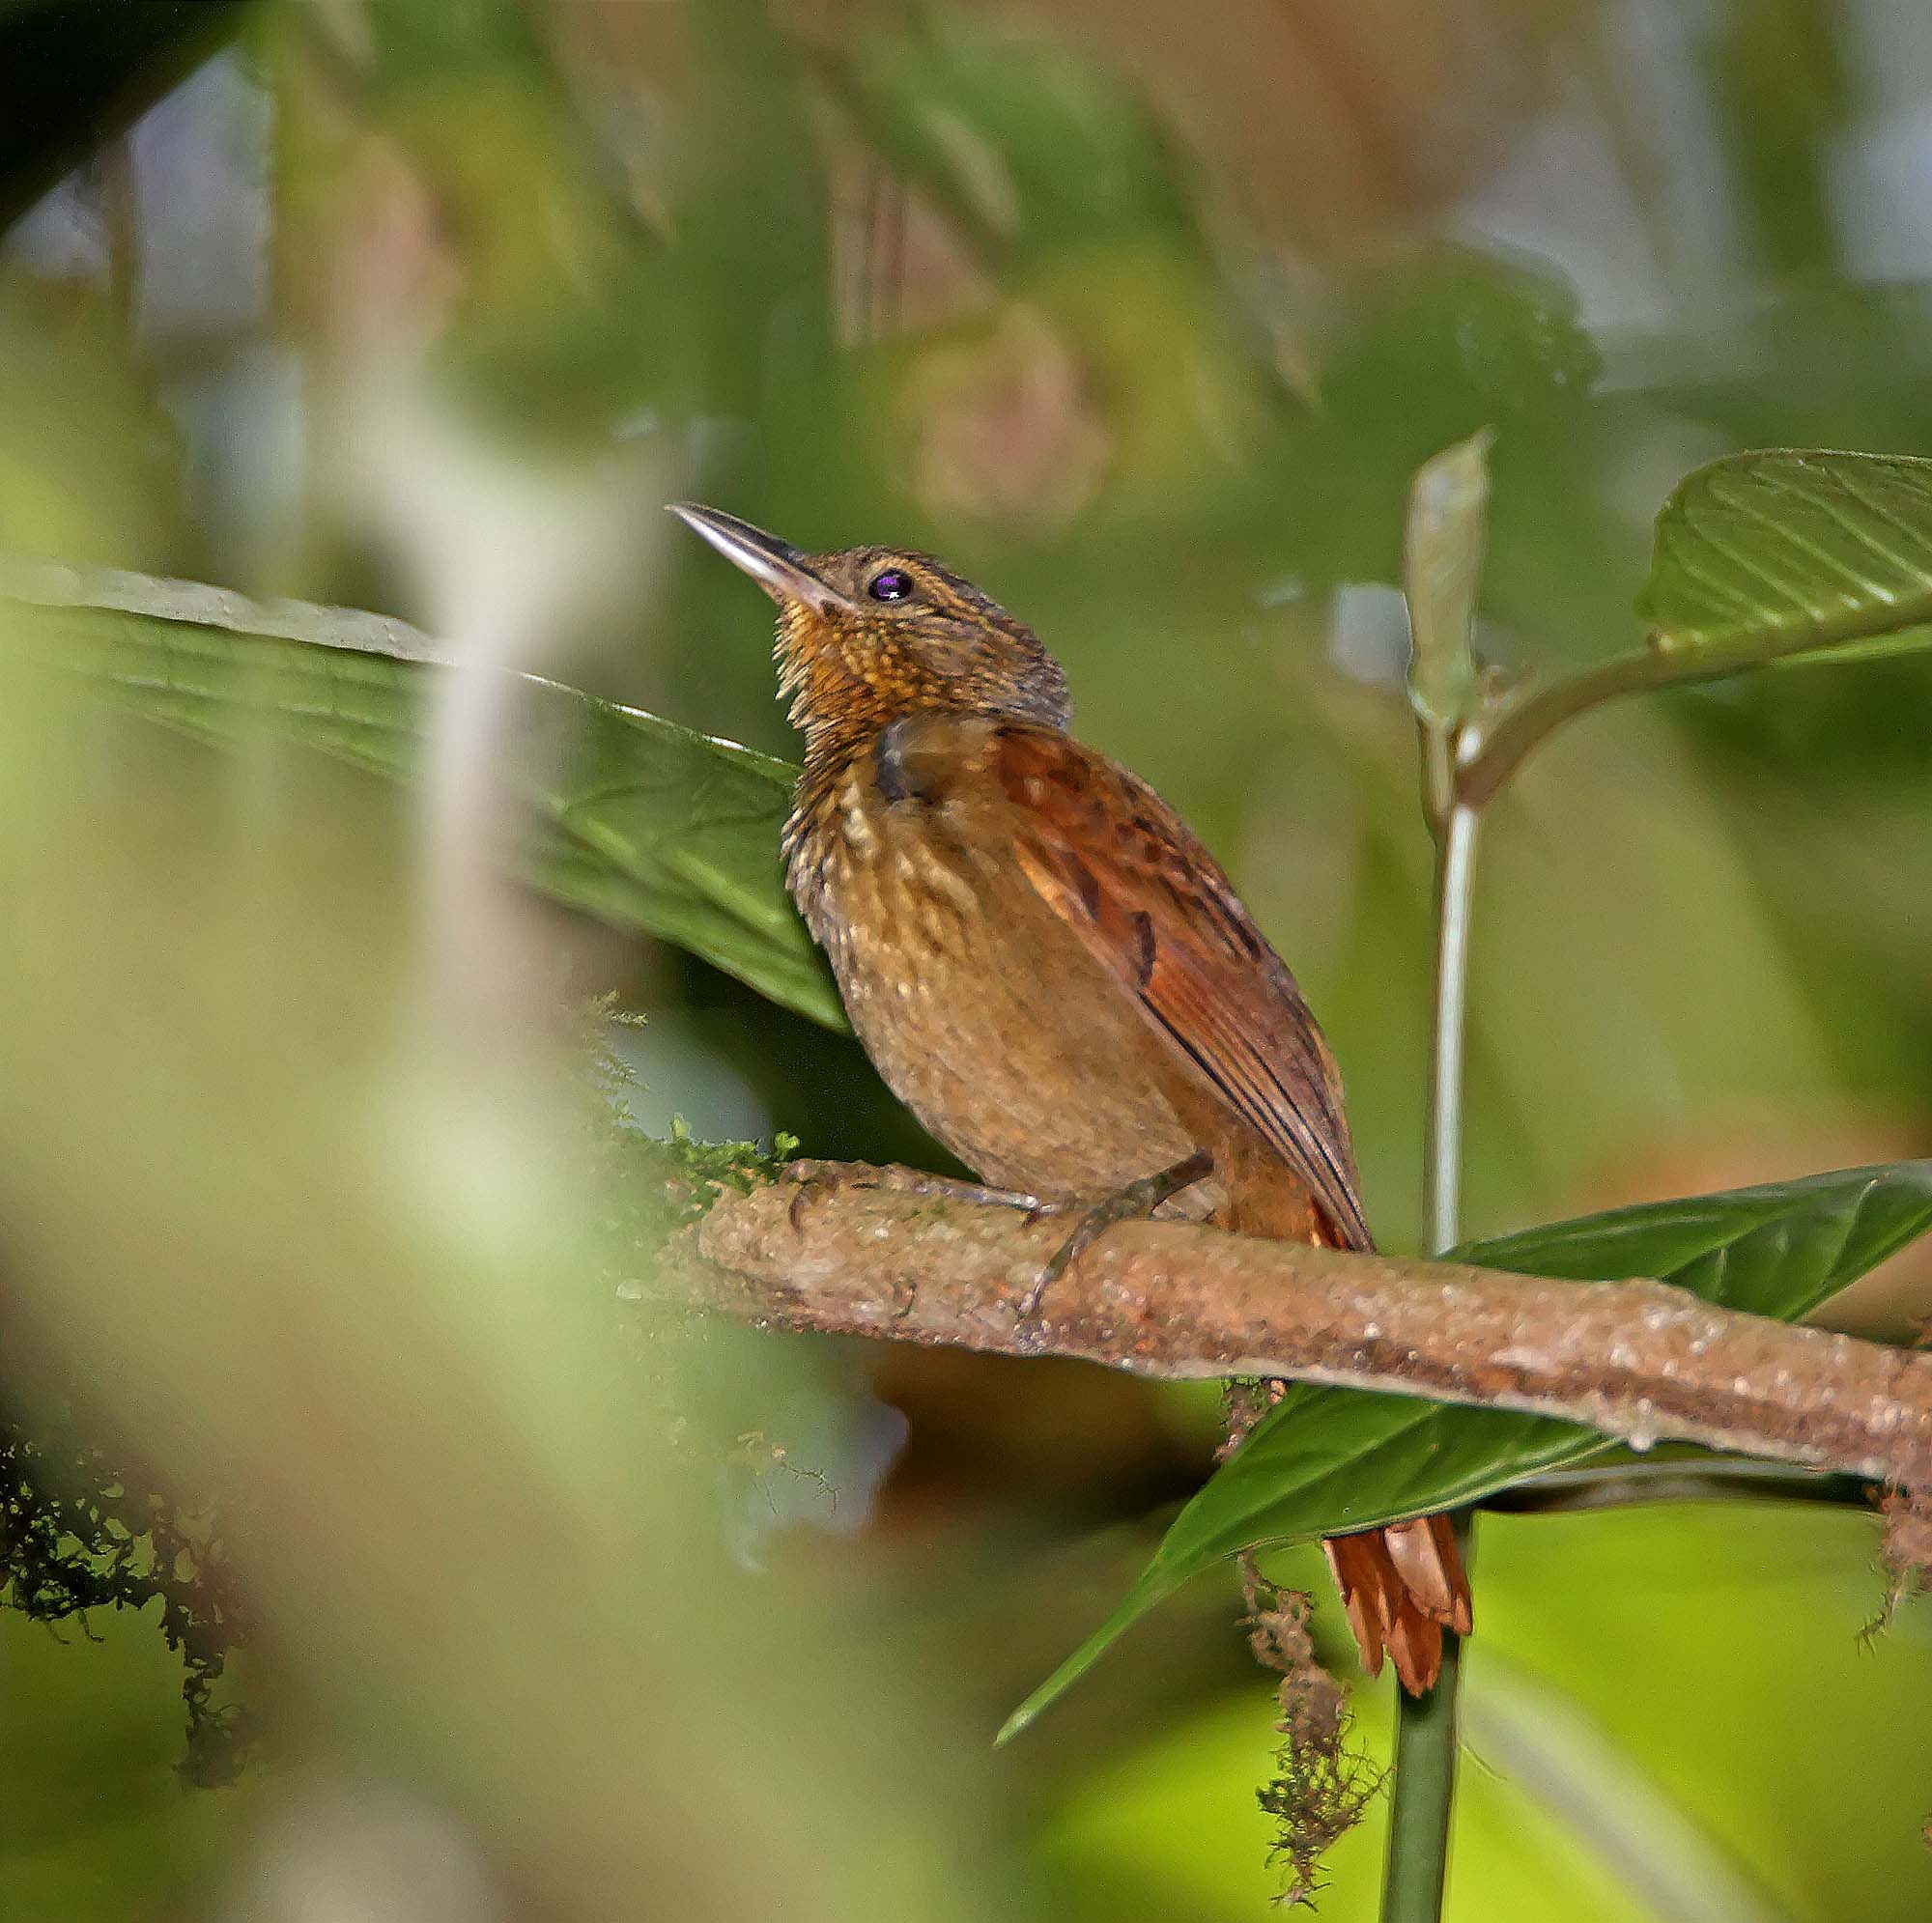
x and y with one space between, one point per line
782 572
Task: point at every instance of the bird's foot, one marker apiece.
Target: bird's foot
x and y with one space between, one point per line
818 1179
947 1188
1131 1203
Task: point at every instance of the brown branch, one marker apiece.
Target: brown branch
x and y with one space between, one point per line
871 1252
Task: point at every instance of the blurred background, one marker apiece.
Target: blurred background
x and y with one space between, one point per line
1142 316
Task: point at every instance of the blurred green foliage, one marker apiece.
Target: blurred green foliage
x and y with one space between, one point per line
76 72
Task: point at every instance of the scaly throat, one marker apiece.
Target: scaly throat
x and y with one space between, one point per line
842 716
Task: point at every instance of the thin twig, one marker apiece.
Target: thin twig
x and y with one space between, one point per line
1523 720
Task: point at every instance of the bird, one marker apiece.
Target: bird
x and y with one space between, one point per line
1049 969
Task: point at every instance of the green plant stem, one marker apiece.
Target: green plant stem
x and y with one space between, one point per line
1442 1162
1440 774
1424 1794
1524 722
1425 1749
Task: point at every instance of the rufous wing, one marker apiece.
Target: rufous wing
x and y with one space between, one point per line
1122 870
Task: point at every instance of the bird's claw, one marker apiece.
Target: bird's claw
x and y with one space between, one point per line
814 1180
1131 1203
1063 1258
818 1179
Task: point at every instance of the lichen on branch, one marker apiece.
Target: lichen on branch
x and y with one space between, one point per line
1321 1782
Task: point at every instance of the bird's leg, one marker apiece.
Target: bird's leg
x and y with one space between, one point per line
1137 1200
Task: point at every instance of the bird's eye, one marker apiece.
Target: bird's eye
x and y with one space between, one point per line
893 585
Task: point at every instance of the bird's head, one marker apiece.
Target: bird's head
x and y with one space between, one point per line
866 634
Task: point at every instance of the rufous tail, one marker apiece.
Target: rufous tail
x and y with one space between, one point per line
1403 1586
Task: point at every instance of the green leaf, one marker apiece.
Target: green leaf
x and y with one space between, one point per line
1325 1462
1030 152
1442 566
640 822
1787 552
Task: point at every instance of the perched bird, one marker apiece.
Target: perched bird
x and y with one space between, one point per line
1049 969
